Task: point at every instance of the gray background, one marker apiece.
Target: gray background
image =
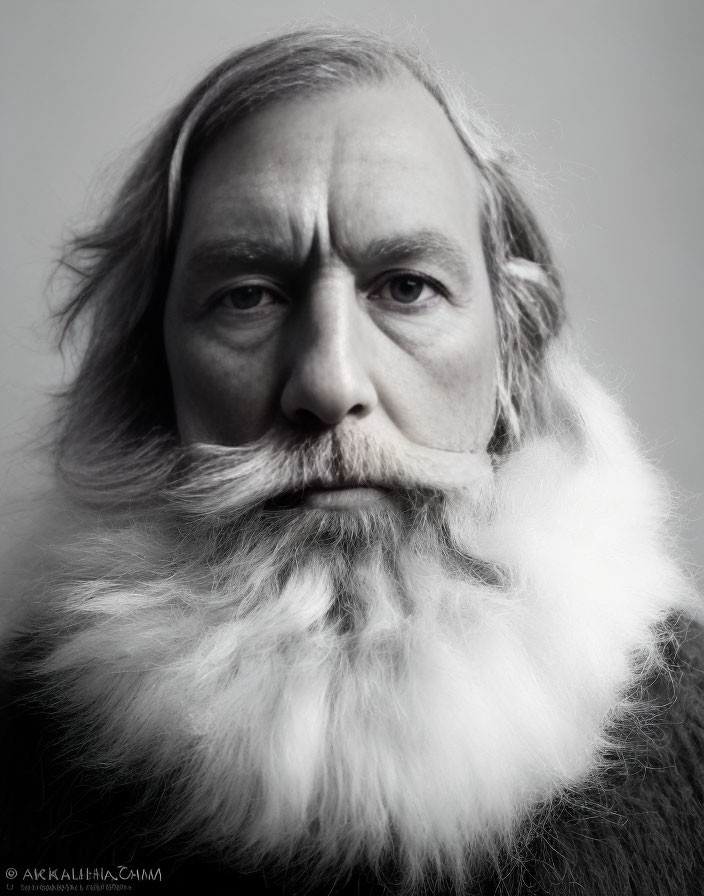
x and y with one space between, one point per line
603 98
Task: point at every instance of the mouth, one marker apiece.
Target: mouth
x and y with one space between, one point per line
333 497
343 497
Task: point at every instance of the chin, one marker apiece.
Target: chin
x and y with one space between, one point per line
405 681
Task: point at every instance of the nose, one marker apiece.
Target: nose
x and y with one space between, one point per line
328 377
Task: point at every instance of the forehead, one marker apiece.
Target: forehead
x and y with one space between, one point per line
333 168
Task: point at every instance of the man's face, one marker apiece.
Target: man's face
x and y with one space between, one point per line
330 273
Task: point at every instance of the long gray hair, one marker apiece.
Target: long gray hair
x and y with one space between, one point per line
117 418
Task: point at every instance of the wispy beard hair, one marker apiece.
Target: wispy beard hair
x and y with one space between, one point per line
401 684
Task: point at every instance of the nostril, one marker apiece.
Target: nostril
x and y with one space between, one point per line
313 422
309 421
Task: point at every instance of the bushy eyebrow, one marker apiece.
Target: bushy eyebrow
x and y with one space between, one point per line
418 246
223 256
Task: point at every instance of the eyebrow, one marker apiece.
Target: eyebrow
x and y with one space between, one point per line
222 256
420 245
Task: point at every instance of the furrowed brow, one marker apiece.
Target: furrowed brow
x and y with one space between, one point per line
422 245
220 257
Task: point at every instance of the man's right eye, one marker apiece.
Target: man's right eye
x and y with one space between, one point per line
248 296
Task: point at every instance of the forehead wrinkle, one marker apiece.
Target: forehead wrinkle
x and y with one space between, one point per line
422 245
307 220
246 204
245 224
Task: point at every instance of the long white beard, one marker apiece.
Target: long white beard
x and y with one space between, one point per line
409 682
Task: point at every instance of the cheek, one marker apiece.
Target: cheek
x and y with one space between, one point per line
442 392
475 398
462 393
220 396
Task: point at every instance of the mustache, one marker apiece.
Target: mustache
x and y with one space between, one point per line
214 480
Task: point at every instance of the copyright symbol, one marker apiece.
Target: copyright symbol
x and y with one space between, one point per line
11 873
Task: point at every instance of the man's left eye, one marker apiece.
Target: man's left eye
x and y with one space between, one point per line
407 289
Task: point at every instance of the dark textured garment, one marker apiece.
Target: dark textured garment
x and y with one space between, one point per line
640 833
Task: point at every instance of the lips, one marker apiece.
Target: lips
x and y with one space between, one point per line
343 497
340 495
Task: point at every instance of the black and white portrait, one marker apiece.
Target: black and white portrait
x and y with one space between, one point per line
351 516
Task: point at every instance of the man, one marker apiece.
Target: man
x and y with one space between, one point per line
358 582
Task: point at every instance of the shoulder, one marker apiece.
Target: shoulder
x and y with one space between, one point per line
640 829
